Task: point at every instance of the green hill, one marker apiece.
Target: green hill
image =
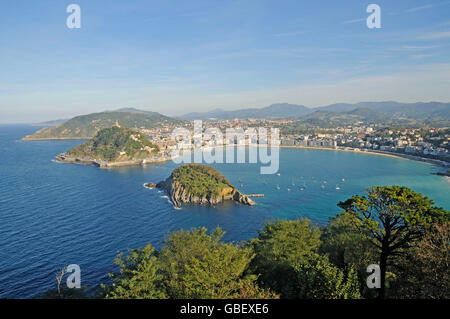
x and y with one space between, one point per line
199 184
86 126
115 144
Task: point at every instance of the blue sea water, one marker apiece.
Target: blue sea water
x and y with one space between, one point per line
54 214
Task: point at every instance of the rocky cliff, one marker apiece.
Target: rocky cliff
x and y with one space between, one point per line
201 185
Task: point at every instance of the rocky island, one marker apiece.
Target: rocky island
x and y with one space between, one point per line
114 146
201 185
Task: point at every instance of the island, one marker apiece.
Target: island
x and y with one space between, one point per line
201 185
114 146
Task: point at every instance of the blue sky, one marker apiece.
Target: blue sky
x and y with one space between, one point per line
175 57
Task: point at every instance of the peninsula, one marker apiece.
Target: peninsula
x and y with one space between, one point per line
201 185
114 146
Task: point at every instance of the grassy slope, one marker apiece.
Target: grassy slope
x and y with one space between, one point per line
109 142
201 180
86 126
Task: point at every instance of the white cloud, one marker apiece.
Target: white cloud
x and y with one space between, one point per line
435 35
427 6
354 21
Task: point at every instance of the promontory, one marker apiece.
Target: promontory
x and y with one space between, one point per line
114 146
201 185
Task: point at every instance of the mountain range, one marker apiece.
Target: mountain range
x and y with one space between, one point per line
389 113
419 110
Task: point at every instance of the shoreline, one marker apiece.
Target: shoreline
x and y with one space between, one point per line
64 159
26 138
61 158
378 153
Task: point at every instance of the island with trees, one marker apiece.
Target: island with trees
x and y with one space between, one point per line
199 184
114 146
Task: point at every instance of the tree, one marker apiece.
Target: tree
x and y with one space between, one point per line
139 276
198 265
423 272
348 248
287 260
320 279
393 218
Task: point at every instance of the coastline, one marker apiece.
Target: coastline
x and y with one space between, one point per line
62 158
27 138
378 153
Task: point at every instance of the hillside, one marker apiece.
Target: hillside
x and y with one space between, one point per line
280 110
86 126
200 184
421 111
111 145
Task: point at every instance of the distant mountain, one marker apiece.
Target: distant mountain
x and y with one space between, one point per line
86 126
418 111
324 118
281 110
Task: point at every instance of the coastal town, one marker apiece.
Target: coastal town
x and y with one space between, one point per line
424 142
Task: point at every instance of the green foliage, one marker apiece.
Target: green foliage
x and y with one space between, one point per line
200 180
392 218
191 264
293 259
287 260
319 279
423 270
198 265
139 276
348 248
108 144
87 126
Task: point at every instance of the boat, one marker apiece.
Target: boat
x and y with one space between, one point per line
337 187
278 187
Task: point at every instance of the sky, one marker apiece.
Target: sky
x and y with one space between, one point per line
176 57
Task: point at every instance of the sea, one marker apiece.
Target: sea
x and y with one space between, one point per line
54 214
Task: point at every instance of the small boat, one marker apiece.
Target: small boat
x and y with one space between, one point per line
337 187
322 186
288 189
343 179
278 174
278 187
